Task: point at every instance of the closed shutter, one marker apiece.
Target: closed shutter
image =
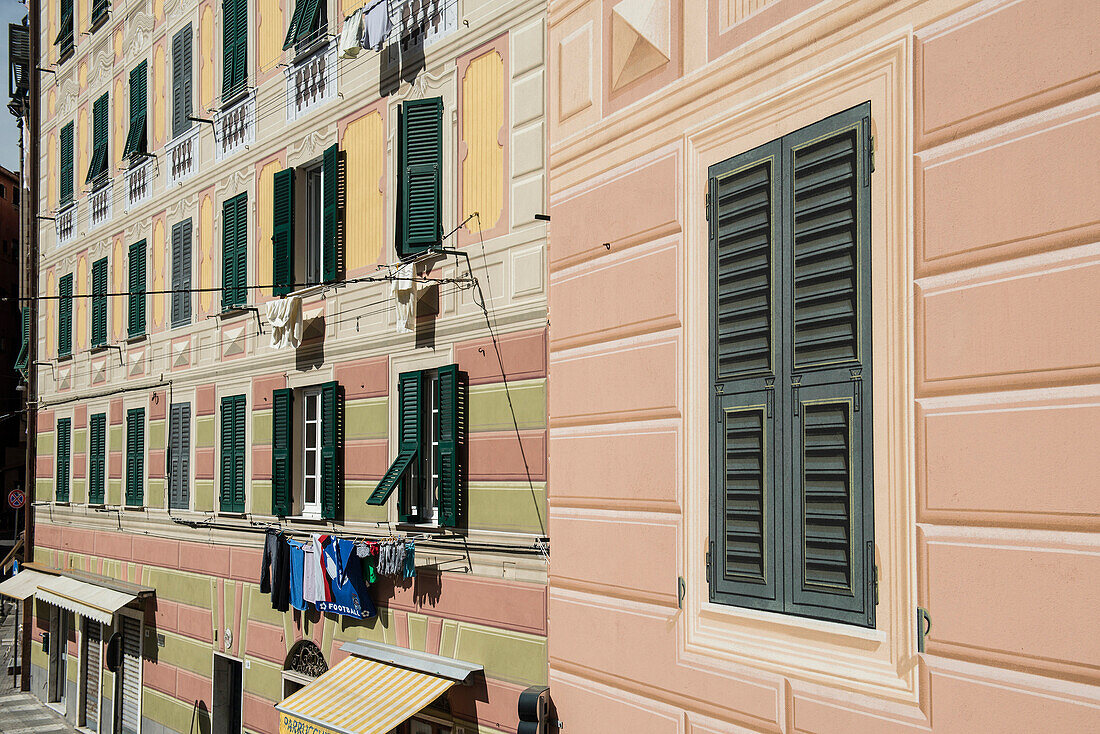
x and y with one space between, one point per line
66 154
64 434
131 675
179 456
233 418
282 232
451 398
234 251
65 37
332 210
410 430
332 450
92 664
282 412
65 316
420 175
181 273
100 131
135 457
136 138
181 81
137 289
99 302
97 461
241 270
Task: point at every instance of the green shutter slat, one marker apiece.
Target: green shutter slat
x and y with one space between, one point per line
179 449
282 232
99 10
181 272
282 427
420 176
240 415
306 25
331 210
332 450
225 485
137 270
181 81
65 315
136 141
234 48
66 35
61 481
234 251
66 163
409 390
451 387
24 349
135 457
97 460
241 254
292 29
99 302
100 131
233 416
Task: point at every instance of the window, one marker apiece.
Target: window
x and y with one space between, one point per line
419 175
181 81
181 273
135 457
307 25
136 141
15 196
99 11
232 453
235 252
137 290
66 178
320 191
97 458
65 38
61 481
99 168
429 471
3 192
179 456
228 695
234 48
65 316
90 674
791 490
24 350
99 303
313 441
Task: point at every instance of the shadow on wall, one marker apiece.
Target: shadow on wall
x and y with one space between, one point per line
401 60
311 353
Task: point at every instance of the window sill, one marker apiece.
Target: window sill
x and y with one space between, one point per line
310 519
233 312
312 289
98 23
234 97
431 528
136 338
67 357
133 507
97 348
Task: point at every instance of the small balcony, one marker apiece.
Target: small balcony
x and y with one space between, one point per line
99 203
311 81
183 156
66 222
235 126
139 182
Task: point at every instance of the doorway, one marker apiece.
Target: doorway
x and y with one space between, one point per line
228 692
91 665
60 622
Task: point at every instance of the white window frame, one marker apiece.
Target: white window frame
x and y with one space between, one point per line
308 509
313 265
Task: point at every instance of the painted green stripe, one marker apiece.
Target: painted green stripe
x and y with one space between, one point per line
260 501
509 507
204 431
356 508
156 434
265 680
80 440
172 713
46 444
178 586
78 488
154 493
184 652
490 409
43 490
418 632
114 491
260 604
506 655
203 494
261 428
115 438
366 419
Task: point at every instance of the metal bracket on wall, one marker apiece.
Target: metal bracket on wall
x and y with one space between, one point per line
924 626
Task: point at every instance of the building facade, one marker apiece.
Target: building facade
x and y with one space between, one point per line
200 162
824 361
13 446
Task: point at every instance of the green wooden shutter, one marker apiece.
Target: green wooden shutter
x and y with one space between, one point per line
410 430
181 273
282 427
135 457
451 397
332 450
282 232
235 252
827 295
240 415
179 456
292 29
65 316
97 462
421 174
99 302
331 214
241 253
66 155
65 36
100 132
24 350
61 482
136 141
137 289
181 81
304 24
233 416
99 10
234 48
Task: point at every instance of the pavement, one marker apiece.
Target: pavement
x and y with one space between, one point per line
21 713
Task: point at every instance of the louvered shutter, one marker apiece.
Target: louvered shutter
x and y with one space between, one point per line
282 232
99 10
24 350
332 450
135 457
65 316
136 138
137 289
282 412
61 482
421 174
451 397
66 36
828 294
100 131
292 29
234 251
410 430
92 665
181 273
304 24
131 674
234 48
227 439
240 415
179 456
331 211
241 252
99 302
97 463
240 56
66 155
181 81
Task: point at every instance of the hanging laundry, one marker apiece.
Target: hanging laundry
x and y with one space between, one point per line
322 590
410 560
312 581
348 591
285 315
406 291
368 559
297 569
275 571
351 35
376 25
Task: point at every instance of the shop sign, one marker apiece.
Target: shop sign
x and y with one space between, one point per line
293 725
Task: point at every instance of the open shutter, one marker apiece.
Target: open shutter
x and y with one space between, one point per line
137 289
309 22
420 184
99 302
66 36
292 29
332 450
100 132
181 81
282 402
234 48
409 389
282 232
65 316
451 398
331 214
827 290
66 154
99 10
64 429
135 457
24 350
97 444
136 138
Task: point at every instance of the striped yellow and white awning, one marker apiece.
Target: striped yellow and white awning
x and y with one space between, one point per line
359 696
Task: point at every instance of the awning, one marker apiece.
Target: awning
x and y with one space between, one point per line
23 584
89 600
360 696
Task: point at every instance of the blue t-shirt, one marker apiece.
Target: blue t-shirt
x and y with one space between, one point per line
297 567
345 575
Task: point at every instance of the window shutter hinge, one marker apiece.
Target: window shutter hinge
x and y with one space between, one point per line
710 552
870 157
708 205
924 626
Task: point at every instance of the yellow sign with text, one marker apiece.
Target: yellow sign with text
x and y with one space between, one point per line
293 725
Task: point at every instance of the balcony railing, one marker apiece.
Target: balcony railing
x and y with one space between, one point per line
311 81
66 223
235 126
423 22
99 203
183 156
139 182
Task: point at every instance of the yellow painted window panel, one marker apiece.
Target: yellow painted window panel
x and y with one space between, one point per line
365 146
158 271
482 121
206 266
206 58
81 315
265 203
272 30
118 307
158 97
51 315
